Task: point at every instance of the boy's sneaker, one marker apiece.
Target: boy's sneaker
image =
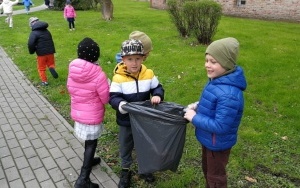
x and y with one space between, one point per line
44 84
148 177
53 72
125 179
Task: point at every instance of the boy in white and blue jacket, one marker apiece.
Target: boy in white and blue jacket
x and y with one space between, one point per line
218 113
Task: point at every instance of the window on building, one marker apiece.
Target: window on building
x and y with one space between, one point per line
241 2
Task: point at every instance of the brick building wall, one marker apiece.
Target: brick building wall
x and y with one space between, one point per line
263 9
288 10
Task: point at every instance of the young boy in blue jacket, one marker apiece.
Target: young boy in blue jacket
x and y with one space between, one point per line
218 113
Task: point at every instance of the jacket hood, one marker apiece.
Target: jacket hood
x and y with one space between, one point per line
82 71
39 25
236 79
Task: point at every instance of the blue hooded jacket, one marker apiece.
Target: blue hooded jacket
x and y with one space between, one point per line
220 110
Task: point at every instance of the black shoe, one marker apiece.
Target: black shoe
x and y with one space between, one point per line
148 177
85 184
96 161
125 179
53 72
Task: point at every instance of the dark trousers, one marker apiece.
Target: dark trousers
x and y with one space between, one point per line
214 167
71 22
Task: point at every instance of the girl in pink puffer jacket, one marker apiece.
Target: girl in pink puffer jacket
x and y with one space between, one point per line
89 91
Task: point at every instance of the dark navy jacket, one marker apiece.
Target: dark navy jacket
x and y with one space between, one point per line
40 40
220 110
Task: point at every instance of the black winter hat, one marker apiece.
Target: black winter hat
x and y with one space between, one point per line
88 50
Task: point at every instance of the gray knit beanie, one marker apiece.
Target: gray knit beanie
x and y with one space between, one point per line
225 51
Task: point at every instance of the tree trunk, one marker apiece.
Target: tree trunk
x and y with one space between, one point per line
107 9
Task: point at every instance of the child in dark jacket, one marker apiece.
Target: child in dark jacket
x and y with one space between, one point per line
40 42
218 113
132 82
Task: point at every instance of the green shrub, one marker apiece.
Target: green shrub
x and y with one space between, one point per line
202 18
176 13
196 18
77 4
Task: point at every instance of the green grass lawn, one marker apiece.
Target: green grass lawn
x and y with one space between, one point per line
268 144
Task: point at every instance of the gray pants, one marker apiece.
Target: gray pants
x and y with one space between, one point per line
126 146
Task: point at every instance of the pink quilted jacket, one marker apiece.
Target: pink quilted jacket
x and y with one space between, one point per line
89 91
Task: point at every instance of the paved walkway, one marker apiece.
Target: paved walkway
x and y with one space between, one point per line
32 9
37 147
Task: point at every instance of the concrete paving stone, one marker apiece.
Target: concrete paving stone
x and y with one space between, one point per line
27 174
3 121
32 184
17 152
25 143
34 121
70 174
35 163
63 163
49 163
79 151
62 143
5 127
56 175
29 114
4 183
48 184
56 153
63 184
12 174
21 162
69 153
17 183
74 143
49 143
54 134
39 128
37 143
20 135
19 115
7 162
101 176
27 126
44 135
13 121
43 152
10 115
17 127
76 163
4 152
50 128
29 152
12 143
41 174
2 175
32 135
9 135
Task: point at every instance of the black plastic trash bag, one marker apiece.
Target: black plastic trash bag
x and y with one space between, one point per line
158 133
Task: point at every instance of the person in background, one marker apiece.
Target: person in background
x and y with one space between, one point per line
70 15
147 43
88 87
217 115
132 82
7 8
27 5
40 42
